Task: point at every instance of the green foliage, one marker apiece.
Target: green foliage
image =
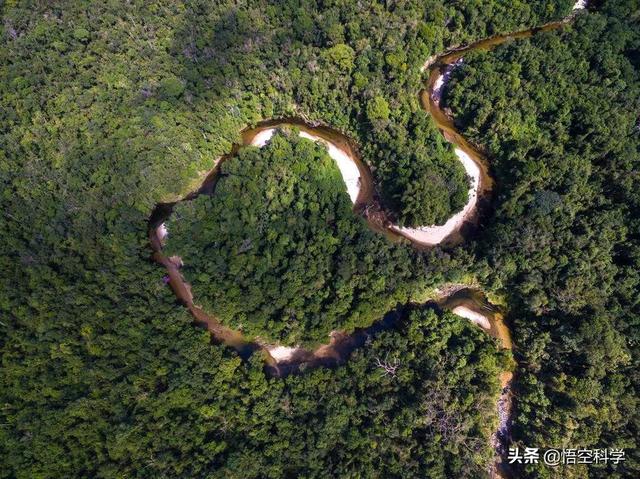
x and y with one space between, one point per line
277 252
171 87
342 55
195 410
378 109
559 115
111 107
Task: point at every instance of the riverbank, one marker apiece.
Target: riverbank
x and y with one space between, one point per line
281 360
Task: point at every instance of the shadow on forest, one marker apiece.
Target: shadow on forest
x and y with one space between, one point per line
229 56
342 346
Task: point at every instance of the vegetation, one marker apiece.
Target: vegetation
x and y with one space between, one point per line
277 251
559 117
111 107
194 410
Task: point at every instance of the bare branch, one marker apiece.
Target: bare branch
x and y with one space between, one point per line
389 368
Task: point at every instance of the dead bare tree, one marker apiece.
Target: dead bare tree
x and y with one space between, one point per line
246 245
446 422
389 368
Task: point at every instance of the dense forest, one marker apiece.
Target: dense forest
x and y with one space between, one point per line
560 117
109 108
277 252
194 410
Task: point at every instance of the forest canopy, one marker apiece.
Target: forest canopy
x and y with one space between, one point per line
277 252
109 108
559 116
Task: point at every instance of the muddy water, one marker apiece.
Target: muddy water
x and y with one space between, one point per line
337 144
440 68
468 303
286 360
472 303
364 200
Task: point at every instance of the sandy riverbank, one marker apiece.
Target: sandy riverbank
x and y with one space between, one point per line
433 235
345 162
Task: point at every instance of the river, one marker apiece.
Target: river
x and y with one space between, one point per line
461 300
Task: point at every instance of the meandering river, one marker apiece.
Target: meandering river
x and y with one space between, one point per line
461 300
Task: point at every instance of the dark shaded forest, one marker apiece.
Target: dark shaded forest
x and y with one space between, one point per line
559 116
109 108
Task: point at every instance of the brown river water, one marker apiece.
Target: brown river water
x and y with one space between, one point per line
462 300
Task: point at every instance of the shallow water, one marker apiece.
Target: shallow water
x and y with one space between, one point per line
465 302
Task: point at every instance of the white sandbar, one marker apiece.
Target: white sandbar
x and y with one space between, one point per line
438 85
432 235
580 5
347 166
162 232
478 318
282 353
